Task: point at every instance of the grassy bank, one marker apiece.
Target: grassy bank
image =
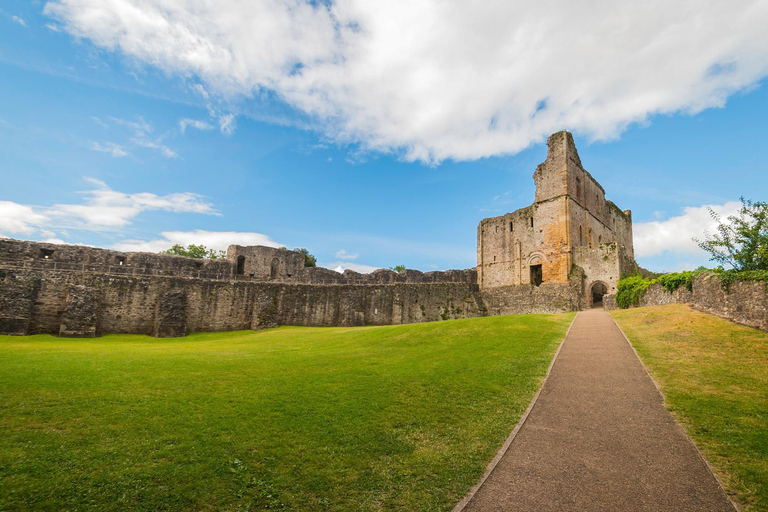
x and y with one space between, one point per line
714 375
396 417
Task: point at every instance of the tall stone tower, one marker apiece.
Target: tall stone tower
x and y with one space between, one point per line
570 231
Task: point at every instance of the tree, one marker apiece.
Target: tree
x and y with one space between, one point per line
309 259
194 251
397 268
742 241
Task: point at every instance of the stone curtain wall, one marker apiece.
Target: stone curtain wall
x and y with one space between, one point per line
90 304
84 292
744 302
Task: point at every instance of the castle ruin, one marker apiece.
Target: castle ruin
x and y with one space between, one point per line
570 232
562 253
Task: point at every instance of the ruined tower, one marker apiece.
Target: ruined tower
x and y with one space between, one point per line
571 237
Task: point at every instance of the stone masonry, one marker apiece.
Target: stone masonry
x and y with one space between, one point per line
559 254
570 246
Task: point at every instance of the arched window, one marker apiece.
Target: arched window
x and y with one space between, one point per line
240 265
581 236
274 268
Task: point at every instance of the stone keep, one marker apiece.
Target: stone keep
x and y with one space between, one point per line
570 232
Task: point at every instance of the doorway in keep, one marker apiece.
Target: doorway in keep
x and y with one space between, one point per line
598 290
537 276
240 265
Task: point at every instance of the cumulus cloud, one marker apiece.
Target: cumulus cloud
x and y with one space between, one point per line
103 209
344 255
19 219
107 208
675 235
113 149
438 80
219 240
193 123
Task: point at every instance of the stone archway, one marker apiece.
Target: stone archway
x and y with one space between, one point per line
596 293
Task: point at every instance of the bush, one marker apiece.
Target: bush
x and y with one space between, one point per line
631 289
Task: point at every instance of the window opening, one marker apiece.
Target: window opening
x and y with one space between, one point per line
581 236
531 221
240 265
46 253
511 226
537 276
274 268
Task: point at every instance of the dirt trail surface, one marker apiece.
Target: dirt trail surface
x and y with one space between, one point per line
600 438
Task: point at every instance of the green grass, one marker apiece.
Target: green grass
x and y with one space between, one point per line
714 375
369 418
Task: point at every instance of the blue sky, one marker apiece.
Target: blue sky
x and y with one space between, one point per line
120 129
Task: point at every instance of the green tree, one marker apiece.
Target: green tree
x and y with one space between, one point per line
742 241
309 259
194 251
397 268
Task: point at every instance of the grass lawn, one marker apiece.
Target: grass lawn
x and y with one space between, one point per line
368 418
714 375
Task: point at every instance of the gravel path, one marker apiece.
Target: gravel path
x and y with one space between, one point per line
599 438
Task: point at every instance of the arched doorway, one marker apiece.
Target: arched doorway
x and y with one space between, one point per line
274 268
596 293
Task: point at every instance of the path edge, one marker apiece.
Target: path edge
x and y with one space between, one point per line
503 450
680 426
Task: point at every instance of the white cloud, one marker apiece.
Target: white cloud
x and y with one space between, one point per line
107 208
19 20
442 80
142 138
193 123
19 219
344 255
103 209
115 150
219 240
675 235
99 122
341 266
165 150
227 124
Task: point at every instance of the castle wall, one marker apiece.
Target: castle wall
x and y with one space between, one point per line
509 244
566 225
79 292
86 305
744 302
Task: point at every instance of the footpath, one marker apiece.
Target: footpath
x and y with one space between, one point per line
599 438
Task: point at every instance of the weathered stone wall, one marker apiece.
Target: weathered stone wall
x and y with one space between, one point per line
84 304
745 302
526 298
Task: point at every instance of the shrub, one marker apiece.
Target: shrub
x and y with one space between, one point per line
631 289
